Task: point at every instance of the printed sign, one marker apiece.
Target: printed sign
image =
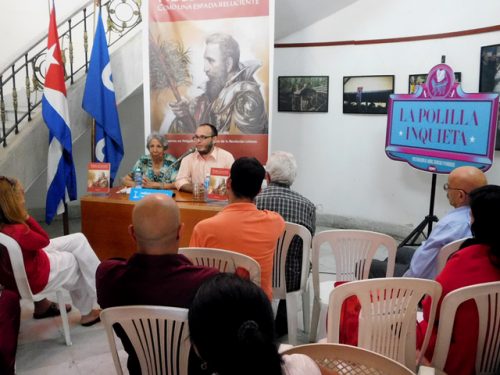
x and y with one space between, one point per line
440 128
137 194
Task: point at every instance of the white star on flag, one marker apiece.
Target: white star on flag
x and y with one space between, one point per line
50 57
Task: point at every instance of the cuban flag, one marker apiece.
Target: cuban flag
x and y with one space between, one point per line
100 102
61 176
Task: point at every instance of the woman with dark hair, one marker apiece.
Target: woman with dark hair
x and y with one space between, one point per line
477 262
232 330
156 168
66 261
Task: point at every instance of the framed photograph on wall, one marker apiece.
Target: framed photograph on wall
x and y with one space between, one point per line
415 80
303 94
367 94
490 69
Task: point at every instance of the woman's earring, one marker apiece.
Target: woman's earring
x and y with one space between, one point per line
204 365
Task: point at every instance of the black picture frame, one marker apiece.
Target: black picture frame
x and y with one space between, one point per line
490 67
415 80
367 94
303 94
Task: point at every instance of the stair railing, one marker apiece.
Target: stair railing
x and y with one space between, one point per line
17 102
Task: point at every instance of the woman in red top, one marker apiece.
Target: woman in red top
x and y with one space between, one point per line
477 262
66 261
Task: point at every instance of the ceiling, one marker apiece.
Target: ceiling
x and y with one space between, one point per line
294 15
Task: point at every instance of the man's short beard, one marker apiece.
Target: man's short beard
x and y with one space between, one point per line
215 85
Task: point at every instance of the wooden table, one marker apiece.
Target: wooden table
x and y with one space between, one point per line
106 217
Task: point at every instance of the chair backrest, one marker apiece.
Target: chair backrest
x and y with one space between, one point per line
223 260
346 359
280 254
353 251
447 251
487 298
158 334
388 315
17 262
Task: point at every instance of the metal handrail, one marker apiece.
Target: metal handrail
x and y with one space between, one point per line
17 104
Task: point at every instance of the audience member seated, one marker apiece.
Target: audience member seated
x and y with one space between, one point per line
281 170
10 313
195 167
478 262
156 274
68 261
240 226
156 168
453 226
231 328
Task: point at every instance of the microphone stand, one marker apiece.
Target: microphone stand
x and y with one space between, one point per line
171 166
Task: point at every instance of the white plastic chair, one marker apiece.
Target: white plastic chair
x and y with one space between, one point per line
158 334
223 260
279 277
446 252
23 286
388 315
353 251
346 359
487 298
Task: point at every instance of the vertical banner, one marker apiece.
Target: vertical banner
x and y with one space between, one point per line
209 61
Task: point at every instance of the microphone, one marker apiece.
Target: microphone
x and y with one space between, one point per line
171 166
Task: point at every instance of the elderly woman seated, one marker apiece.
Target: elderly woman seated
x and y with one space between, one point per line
156 168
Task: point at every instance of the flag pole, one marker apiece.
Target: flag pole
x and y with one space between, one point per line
97 3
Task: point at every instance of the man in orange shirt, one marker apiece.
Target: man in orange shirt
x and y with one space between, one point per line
240 226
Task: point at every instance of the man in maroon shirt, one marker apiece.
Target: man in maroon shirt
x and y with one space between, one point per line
156 274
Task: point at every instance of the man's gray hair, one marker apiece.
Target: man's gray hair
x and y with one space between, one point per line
282 167
229 47
160 138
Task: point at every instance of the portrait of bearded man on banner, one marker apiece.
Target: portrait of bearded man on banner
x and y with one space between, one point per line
231 98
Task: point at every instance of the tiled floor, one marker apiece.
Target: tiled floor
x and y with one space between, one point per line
42 350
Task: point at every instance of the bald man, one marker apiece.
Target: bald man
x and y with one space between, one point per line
454 226
156 274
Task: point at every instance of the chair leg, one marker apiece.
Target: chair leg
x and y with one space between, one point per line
306 311
64 317
314 320
291 317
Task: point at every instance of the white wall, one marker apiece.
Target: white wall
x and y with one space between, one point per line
342 164
28 20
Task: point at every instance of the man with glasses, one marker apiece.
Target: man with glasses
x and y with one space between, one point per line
195 167
453 226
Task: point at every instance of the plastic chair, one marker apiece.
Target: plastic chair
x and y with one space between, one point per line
223 260
17 263
158 334
353 251
446 252
388 315
346 359
279 279
487 298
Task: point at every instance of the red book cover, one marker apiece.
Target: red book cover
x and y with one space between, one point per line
98 177
217 189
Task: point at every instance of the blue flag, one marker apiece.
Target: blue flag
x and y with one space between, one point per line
100 102
61 176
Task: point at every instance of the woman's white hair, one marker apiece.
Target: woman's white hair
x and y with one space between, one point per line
282 167
160 138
